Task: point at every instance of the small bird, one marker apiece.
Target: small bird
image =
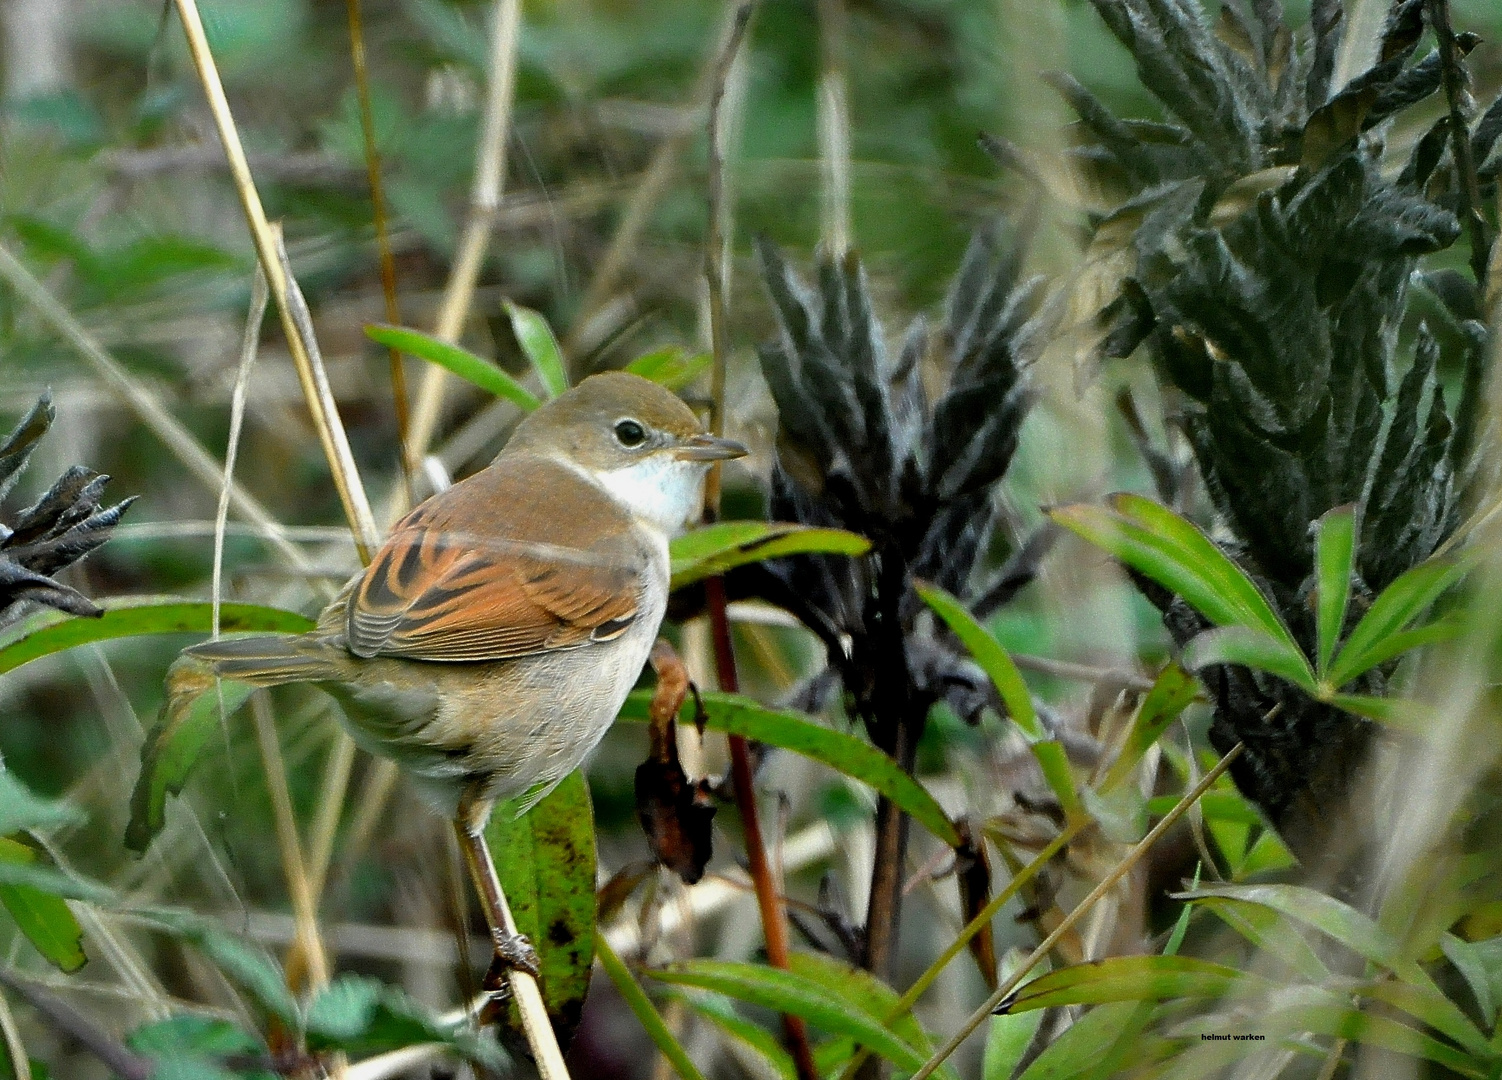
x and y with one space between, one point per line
494 636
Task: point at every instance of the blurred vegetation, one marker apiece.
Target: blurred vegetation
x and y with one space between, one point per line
115 198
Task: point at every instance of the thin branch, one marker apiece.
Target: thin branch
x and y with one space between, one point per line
484 200
63 1017
330 430
383 240
200 463
1106 884
1454 79
20 1063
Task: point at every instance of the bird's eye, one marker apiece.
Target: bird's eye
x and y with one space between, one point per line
630 433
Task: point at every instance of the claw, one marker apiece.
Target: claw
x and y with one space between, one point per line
513 952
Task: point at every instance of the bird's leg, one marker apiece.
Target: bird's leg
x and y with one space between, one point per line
513 952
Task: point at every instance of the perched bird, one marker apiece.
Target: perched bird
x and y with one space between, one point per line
495 635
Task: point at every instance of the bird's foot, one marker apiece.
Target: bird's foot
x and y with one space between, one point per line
513 952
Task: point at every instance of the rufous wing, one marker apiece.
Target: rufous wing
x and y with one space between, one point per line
481 572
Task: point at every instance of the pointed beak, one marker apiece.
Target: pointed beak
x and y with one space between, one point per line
708 448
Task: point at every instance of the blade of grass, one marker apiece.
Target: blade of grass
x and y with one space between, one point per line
536 338
1335 553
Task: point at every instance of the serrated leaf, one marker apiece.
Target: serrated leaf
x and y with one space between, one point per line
1250 648
1399 604
1131 978
44 919
461 362
719 548
673 367
846 754
536 338
546 861
48 632
787 992
1334 558
1164 546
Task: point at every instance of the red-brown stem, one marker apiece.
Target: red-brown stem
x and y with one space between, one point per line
768 899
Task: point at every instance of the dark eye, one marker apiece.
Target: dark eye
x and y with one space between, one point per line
630 433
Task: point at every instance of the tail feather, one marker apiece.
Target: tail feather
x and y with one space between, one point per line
268 659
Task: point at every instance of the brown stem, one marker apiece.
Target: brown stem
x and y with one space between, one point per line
1460 137
768 899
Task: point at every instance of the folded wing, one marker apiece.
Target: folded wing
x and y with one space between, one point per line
480 572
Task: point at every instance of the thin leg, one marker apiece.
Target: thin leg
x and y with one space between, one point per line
523 983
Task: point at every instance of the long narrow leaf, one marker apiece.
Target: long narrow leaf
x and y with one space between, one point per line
787 992
1132 978
1398 605
716 549
536 338
1334 555
646 1013
736 715
672 367
994 660
460 362
1172 691
45 920
1249 647
1173 552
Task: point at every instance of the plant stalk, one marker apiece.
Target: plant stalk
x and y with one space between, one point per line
1453 79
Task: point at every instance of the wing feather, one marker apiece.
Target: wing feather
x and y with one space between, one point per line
482 572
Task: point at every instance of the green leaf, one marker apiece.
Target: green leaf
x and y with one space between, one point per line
188 720
646 1014
716 549
362 1015
1334 556
1364 937
736 715
1401 714
1130 978
48 632
546 861
54 882
536 338
1399 604
789 992
247 965
45 919
186 1045
998 666
673 367
461 362
1092 1046
21 809
1172 691
1159 543
1251 648
721 1013
1480 964
1269 931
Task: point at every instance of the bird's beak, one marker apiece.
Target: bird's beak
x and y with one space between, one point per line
708 448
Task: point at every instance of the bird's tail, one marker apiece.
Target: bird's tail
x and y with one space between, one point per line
265 659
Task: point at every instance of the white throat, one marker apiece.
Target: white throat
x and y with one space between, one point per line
659 491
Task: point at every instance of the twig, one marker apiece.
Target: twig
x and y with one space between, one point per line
248 346
644 199
768 896
1106 884
383 240
304 911
1086 673
60 1015
484 200
330 430
834 129
325 825
1453 79
163 424
16 1049
529 1003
